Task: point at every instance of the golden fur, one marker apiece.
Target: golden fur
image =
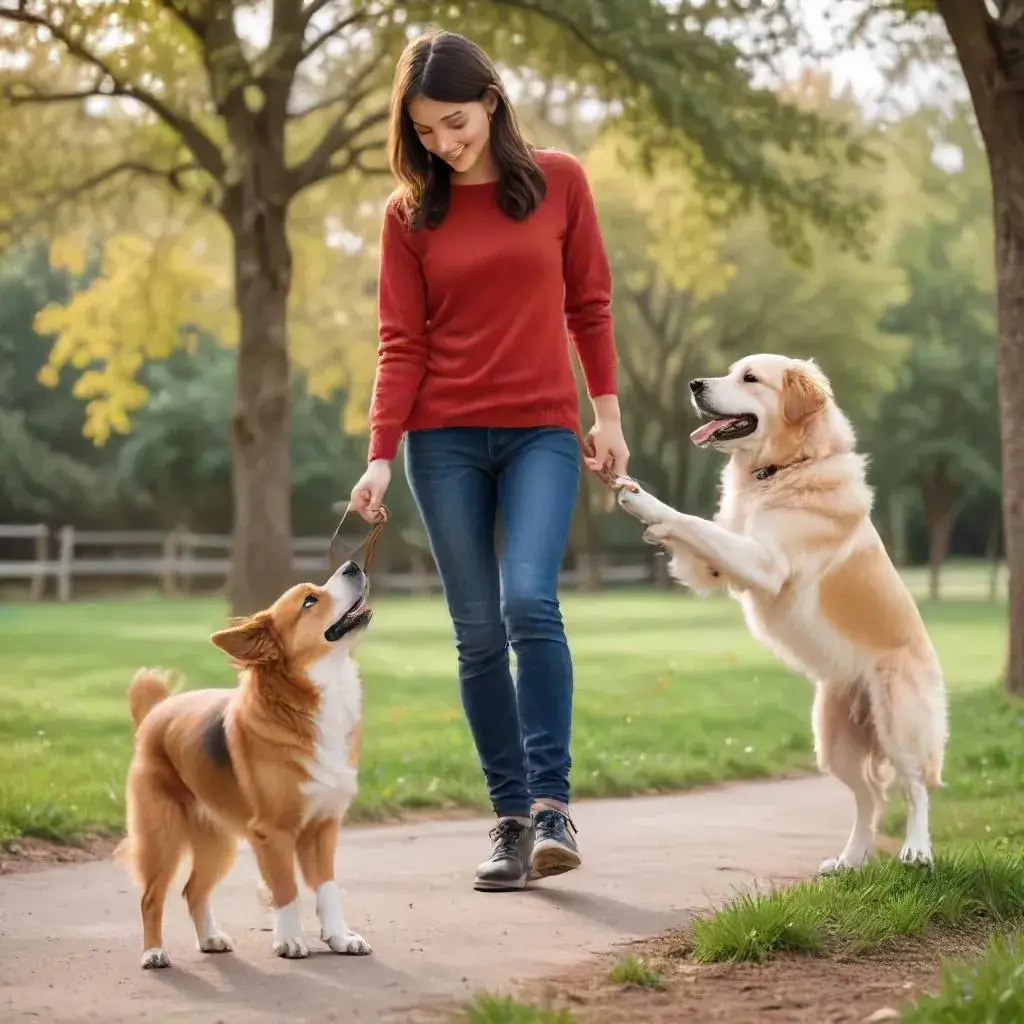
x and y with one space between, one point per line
794 543
272 761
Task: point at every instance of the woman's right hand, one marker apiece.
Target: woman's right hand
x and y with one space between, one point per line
368 493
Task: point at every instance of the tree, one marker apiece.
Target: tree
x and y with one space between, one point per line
694 293
46 466
187 109
938 429
987 40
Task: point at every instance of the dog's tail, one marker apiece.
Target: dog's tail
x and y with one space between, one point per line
148 687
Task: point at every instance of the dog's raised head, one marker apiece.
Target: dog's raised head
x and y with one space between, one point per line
770 409
306 624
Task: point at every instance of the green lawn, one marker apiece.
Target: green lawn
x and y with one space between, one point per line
671 692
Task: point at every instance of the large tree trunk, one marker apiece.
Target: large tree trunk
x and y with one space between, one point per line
1010 362
938 496
261 565
991 53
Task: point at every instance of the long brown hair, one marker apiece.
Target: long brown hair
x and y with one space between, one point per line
449 68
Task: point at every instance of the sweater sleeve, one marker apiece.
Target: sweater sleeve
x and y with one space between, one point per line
588 287
402 345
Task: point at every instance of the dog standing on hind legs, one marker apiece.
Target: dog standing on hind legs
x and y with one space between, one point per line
273 761
793 542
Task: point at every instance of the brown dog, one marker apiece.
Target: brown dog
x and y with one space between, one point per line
273 761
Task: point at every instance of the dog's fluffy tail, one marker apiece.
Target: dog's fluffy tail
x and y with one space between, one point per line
148 687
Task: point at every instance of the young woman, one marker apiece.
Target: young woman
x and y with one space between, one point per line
491 260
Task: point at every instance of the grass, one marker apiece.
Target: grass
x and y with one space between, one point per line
671 692
989 990
858 911
635 970
977 830
490 1009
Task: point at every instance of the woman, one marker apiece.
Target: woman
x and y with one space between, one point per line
490 250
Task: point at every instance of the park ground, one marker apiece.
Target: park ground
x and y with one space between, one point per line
671 694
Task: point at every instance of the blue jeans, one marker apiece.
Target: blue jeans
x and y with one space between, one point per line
496 504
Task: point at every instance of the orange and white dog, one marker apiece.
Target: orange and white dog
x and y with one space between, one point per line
273 761
794 543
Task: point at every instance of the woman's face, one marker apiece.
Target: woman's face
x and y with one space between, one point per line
458 133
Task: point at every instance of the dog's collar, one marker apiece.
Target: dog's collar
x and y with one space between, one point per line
764 472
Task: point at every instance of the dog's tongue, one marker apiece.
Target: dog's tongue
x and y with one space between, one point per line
705 430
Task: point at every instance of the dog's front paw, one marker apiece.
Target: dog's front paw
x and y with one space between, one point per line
216 943
834 866
291 947
656 533
918 856
349 943
155 958
640 505
288 939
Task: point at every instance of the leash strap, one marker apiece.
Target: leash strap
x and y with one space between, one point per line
368 544
604 474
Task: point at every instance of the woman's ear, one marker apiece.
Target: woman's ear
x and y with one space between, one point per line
490 100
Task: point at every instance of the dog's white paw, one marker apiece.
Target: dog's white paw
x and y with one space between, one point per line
288 938
218 942
657 533
155 958
292 948
640 505
834 866
350 943
917 856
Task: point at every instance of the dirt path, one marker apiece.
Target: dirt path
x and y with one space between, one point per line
69 936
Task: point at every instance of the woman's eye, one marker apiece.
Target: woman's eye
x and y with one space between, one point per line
749 378
310 601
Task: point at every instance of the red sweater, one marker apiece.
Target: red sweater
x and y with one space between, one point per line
476 315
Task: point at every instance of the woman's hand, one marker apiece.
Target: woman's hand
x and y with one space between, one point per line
370 488
605 449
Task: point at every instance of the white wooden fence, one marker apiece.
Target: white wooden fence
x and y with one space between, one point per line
173 559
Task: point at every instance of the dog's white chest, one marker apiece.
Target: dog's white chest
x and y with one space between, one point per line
333 780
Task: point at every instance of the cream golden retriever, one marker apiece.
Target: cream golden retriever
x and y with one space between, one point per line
794 543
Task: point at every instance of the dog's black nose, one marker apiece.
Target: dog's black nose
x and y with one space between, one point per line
350 569
697 386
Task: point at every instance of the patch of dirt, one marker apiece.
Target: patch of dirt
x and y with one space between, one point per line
789 989
29 853
32 854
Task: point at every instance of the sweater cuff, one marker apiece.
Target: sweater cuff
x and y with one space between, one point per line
384 443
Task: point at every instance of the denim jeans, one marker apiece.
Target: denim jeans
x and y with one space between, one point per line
496 504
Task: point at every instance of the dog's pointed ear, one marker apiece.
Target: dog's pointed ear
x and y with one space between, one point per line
252 641
805 390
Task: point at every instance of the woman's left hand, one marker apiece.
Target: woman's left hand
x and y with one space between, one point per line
606 448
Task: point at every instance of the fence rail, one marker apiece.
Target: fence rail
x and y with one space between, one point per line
175 558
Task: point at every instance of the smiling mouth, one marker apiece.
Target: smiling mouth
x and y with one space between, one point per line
357 617
455 154
721 426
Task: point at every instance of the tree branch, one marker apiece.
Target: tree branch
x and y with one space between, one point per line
329 33
311 10
353 161
203 148
192 23
323 104
971 29
57 198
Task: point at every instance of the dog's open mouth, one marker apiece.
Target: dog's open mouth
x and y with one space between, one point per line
357 617
724 428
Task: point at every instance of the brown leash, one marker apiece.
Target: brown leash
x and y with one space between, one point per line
367 545
605 475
